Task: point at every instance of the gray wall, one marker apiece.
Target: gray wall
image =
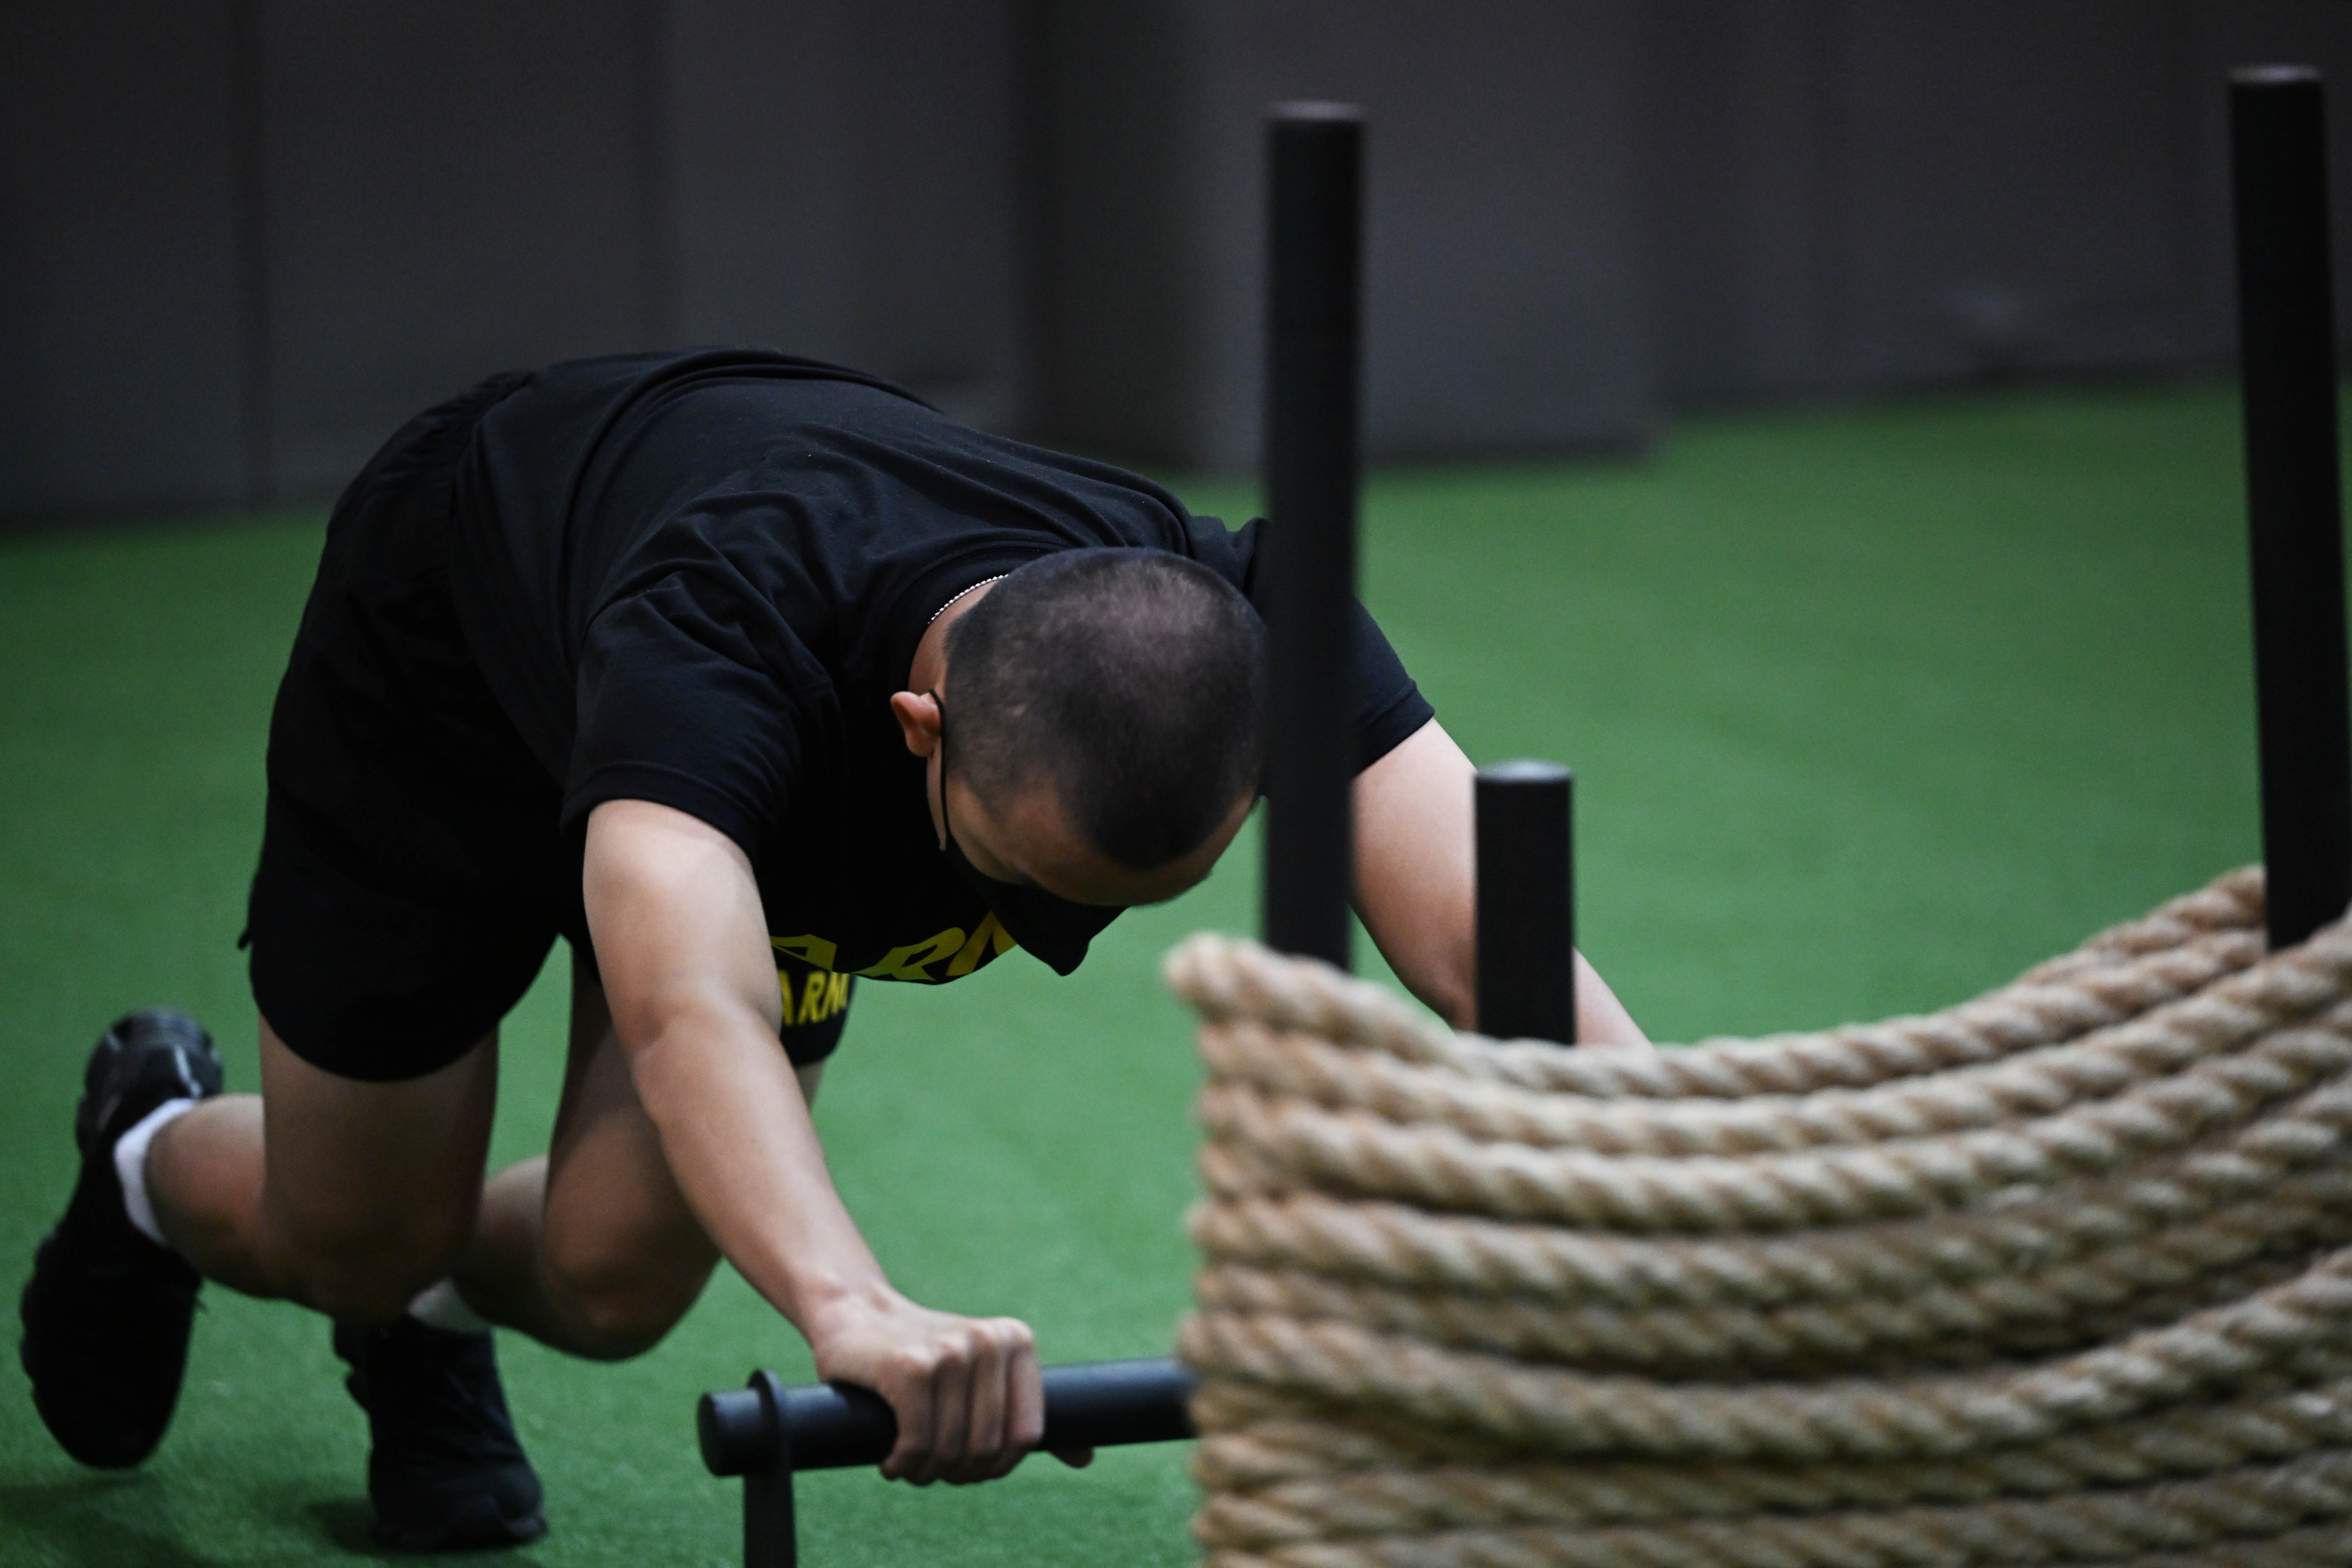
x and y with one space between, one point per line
846 184
1503 298
120 309
449 186
1850 193
1587 213
241 239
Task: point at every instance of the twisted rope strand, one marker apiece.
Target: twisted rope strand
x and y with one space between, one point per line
2231 902
1996 1254
1392 1244
2078 1299
2099 1064
2091 1527
1562 1412
1225 979
1266 1442
2325 1545
1439 1167
1461 1497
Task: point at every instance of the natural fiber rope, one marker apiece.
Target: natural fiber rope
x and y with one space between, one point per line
2063 1274
1280 1458
2100 982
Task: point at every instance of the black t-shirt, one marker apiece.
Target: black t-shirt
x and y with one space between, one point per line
697 578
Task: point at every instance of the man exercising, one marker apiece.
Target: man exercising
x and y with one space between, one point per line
751 677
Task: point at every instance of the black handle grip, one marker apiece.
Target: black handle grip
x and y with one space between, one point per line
832 1426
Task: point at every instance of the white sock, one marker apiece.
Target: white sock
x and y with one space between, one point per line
130 1164
441 1307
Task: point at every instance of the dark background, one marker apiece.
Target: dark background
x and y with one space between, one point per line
240 240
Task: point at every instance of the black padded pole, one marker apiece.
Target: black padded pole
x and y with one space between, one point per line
1527 902
2286 344
1316 154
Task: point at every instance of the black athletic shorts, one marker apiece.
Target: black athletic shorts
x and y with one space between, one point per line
412 878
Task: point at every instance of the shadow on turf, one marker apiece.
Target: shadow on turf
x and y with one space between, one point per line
82 1521
96 1522
345 1521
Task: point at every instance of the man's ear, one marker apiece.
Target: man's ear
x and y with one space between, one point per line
917 714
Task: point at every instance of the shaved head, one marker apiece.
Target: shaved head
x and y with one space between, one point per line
1130 681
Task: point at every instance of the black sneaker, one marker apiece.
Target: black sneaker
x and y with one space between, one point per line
106 1311
444 1470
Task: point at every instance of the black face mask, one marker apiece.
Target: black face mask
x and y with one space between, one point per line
1056 930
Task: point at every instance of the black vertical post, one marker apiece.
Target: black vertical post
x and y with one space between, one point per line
771 1534
756 1425
1316 154
1527 903
2286 340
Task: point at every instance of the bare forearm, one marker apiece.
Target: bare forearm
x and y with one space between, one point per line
1601 1017
1450 990
1416 886
682 943
735 1129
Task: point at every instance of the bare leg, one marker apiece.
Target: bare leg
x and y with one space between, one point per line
345 1197
350 1197
593 1249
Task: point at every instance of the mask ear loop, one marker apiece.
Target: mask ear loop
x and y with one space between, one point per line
946 830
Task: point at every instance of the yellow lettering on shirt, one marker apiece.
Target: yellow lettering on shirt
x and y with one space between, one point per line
824 995
975 951
815 951
908 963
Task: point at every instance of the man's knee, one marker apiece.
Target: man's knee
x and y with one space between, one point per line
618 1307
366 1274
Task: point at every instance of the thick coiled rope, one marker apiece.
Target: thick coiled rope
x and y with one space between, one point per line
2063 1274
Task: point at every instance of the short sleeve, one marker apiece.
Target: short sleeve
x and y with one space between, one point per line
1390 706
692 694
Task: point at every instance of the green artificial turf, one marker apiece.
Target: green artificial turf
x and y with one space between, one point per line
1870 710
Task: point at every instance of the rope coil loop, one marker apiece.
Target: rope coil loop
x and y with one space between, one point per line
2061 1274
